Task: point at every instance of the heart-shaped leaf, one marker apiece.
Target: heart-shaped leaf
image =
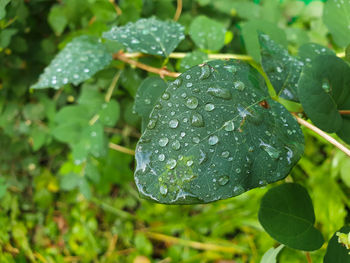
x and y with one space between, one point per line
78 61
336 251
287 214
150 36
282 69
215 134
323 91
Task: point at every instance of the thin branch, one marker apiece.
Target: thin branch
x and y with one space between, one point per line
178 10
344 112
194 244
160 71
112 86
308 257
323 135
116 7
121 148
94 119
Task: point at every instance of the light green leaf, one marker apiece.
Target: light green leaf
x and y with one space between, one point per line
282 69
250 35
271 255
150 36
207 33
78 61
192 59
3 4
323 91
57 19
6 36
337 252
109 113
287 214
336 16
215 134
243 9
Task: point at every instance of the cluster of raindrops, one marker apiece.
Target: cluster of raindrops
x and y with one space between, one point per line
148 35
79 60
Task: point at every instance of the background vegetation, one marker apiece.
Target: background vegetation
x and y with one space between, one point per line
54 209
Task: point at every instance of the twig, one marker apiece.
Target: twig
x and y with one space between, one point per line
160 71
308 257
112 86
193 244
112 209
116 7
121 148
178 10
323 135
344 112
132 133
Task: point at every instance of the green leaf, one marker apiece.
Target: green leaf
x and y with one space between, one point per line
150 36
78 61
6 36
271 255
92 172
287 214
243 9
192 59
3 4
323 91
69 181
147 95
3 187
215 134
336 16
282 69
337 252
109 113
207 33
250 35
309 51
57 19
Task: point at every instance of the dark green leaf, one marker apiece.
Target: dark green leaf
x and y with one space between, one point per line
150 36
78 61
207 33
287 214
337 252
211 138
308 52
336 16
323 91
282 69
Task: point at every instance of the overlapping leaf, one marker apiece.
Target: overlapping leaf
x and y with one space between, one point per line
336 251
214 134
150 36
287 214
323 91
78 61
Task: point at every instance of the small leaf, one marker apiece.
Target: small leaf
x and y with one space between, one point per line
271 255
207 33
243 9
214 134
336 16
3 4
287 214
109 113
78 61
57 19
337 252
150 36
282 69
323 91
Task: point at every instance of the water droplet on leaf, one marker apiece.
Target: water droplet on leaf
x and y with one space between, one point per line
192 102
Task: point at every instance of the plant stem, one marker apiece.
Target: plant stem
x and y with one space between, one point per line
308 258
121 148
112 87
344 112
178 10
323 135
160 71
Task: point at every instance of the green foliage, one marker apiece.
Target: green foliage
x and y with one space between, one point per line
337 251
287 214
66 195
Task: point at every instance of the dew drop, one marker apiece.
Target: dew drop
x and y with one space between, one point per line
225 154
231 68
173 123
189 163
209 107
163 189
239 85
152 123
238 170
223 180
271 151
147 101
165 96
192 102
325 86
171 164
177 82
197 120
163 141
205 72
196 139
229 125
213 140
176 145
219 92
161 157
202 156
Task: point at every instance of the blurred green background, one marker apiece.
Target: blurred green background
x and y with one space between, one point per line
55 210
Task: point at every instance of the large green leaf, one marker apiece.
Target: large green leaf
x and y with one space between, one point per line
323 91
287 214
336 16
309 51
337 252
215 134
207 33
282 69
150 36
78 61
